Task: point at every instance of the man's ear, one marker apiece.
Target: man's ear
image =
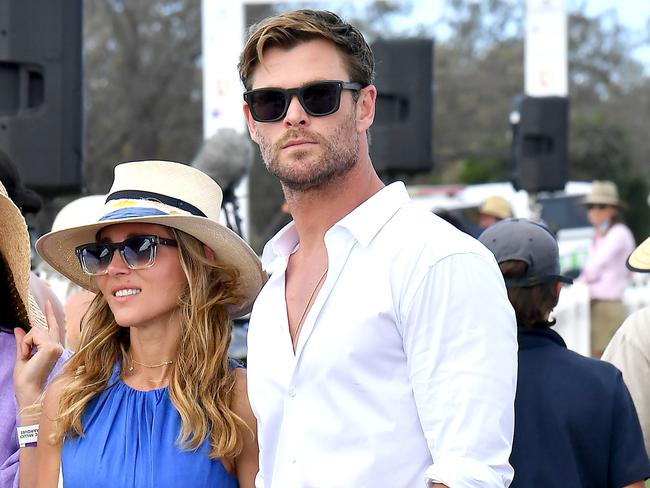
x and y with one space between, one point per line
366 107
250 123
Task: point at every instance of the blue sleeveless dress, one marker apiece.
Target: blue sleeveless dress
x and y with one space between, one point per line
130 442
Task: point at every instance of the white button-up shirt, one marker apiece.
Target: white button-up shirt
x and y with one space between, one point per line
405 367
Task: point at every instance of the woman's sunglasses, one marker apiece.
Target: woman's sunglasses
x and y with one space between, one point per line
598 206
318 99
137 252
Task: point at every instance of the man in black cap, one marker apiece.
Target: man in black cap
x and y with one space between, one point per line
575 423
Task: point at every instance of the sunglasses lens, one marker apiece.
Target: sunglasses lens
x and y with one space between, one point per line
321 98
267 105
94 258
139 252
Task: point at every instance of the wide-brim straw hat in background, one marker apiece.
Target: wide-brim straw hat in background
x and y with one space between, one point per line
639 260
164 193
16 253
603 193
86 209
496 206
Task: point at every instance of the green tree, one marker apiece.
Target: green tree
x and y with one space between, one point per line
142 79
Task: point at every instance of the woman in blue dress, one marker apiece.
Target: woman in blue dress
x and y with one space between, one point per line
150 399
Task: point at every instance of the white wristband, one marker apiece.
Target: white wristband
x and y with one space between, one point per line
27 435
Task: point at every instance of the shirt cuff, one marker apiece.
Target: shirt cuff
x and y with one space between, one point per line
462 472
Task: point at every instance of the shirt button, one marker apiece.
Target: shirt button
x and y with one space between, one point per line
292 392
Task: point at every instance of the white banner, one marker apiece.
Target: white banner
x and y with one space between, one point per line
223 38
545 53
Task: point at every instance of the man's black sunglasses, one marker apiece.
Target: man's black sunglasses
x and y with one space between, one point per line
318 99
138 252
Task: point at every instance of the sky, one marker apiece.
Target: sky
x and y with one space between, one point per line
634 14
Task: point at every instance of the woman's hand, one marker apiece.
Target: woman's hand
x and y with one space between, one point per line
36 355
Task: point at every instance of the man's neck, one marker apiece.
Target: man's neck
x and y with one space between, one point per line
315 211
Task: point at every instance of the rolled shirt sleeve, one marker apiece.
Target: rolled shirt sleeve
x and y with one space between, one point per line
459 333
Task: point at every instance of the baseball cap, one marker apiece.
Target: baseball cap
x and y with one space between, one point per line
527 241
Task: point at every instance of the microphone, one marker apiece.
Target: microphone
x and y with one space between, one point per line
227 157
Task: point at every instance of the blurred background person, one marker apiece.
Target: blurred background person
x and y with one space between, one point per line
575 423
629 349
604 270
492 210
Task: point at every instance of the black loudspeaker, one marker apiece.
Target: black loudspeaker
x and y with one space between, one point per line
41 92
402 134
539 143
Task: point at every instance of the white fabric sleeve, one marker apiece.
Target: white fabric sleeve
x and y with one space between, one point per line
629 351
460 337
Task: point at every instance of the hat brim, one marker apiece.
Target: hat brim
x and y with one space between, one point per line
596 200
527 282
639 260
58 249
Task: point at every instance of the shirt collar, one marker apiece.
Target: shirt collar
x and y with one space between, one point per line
364 222
281 244
538 337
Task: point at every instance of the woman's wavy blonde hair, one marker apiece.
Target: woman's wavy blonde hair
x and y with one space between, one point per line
204 406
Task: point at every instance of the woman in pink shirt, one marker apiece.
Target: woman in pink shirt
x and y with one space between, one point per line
604 271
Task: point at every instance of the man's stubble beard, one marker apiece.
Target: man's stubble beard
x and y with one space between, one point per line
339 154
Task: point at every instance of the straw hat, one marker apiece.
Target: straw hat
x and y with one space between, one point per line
15 251
496 206
602 193
639 260
83 210
164 193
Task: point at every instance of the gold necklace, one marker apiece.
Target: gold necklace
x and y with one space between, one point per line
164 363
304 312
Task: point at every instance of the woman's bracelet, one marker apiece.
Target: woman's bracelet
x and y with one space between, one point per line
27 435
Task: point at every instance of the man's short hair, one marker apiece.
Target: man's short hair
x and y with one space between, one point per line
289 29
532 304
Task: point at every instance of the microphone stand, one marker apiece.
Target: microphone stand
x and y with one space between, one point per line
231 211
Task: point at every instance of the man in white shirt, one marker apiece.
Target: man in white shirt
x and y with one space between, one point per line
382 350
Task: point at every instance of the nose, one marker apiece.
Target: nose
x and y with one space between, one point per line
117 265
296 115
